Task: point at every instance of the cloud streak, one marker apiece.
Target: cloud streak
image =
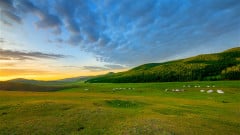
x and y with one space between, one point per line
12 16
104 68
20 55
95 68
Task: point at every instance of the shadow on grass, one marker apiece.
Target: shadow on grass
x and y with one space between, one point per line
124 104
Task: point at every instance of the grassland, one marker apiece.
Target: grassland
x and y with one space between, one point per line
144 109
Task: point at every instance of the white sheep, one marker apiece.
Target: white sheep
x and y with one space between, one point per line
202 90
220 91
209 91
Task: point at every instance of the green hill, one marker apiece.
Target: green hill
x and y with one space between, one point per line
21 84
18 86
217 66
61 81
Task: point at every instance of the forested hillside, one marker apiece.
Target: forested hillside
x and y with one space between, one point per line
218 66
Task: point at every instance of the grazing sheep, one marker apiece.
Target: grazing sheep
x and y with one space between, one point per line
220 91
181 90
209 91
202 90
86 89
208 86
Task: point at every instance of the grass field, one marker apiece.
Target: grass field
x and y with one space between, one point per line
141 109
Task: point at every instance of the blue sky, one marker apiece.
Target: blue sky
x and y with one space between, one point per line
87 37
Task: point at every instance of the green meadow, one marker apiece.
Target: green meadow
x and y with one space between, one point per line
124 109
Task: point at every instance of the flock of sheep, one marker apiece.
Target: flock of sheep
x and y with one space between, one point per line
197 86
211 91
123 88
178 90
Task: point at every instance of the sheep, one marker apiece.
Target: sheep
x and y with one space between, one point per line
202 90
209 91
220 91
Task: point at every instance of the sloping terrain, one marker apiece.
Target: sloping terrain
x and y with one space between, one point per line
21 84
28 86
217 66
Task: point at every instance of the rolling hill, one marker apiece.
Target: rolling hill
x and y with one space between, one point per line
65 80
27 86
218 66
21 84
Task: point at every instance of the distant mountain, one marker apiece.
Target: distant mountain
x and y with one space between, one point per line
30 81
23 80
75 79
26 85
217 66
21 84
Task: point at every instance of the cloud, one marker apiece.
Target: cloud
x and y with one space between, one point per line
95 68
48 21
2 40
12 16
78 67
6 4
7 10
75 40
20 55
129 33
68 14
6 22
7 64
104 68
5 58
16 10
110 66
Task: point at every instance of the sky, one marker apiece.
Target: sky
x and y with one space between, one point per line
54 39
